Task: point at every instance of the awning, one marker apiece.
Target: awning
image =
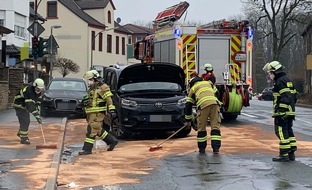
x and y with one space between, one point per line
4 30
12 49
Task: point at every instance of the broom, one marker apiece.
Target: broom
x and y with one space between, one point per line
45 145
158 146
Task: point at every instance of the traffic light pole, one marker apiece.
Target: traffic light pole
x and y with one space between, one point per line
36 34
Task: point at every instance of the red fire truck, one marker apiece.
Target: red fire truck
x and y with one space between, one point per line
224 43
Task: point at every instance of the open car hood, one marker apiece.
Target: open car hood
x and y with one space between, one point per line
155 72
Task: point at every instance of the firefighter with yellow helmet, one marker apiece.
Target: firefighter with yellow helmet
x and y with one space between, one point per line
285 98
202 94
26 101
209 75
98 103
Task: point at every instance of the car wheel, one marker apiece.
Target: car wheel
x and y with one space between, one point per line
118 130
184 132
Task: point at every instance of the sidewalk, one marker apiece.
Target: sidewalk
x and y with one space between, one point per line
24 166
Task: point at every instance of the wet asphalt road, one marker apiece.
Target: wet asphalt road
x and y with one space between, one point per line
221 172
230 172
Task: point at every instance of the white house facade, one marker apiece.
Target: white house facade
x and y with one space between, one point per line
85 31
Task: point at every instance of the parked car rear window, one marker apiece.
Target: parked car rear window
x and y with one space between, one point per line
68 85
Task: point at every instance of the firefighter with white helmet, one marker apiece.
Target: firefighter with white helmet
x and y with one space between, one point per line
97 103
209 75
208 106
285 98
26 101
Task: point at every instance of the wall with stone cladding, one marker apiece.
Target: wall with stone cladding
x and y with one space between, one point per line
15 84
4 87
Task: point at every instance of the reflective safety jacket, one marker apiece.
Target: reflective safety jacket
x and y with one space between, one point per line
209 77
28 99
202 94
98 98
284 96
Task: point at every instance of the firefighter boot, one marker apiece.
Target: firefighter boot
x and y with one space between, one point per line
25 140
215 141
202 141
86 149
292 156
281 158
111 141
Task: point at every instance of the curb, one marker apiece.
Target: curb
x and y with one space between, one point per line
54 170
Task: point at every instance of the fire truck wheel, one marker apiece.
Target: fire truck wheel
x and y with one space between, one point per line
225 98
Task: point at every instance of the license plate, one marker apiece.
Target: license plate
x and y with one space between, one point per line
160 118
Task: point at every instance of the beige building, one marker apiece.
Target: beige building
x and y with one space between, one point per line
86 32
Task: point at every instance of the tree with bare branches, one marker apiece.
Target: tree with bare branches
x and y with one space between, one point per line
66 66
274 17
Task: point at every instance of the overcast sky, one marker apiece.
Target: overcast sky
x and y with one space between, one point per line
203 11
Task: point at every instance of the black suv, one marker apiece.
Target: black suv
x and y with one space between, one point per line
148 97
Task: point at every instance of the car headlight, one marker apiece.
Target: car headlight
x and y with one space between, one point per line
182 102
79 101
130 103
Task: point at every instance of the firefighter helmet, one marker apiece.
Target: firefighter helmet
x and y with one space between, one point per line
274 67
90 75
39 83
95 73
208 67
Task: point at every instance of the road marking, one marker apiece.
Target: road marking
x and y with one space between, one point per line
248 115
304 121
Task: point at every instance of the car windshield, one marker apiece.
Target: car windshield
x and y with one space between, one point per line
68 85
150 86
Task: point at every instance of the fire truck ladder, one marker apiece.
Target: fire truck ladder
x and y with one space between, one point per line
190 60
229 76
172 13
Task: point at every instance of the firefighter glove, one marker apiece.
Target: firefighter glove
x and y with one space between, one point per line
39 120
113 114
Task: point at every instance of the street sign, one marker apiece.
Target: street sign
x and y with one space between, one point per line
35 29
52 42
240 56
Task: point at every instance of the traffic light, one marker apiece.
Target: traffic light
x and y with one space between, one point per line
43 47
35 46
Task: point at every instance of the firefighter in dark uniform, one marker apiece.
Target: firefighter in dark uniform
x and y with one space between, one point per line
209 75
98 102
285 97
202 94
26 101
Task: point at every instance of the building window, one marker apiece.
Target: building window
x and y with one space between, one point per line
123 45
109 17
51 9
129 39
93 40
101 41
117 44
139 38
109 43
19 31
1 22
